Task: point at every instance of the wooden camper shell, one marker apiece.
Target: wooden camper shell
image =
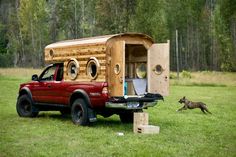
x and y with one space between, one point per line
109 53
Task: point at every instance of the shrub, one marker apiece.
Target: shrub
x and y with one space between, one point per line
6 60
186 74
173 75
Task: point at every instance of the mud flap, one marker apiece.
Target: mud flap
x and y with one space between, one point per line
91 115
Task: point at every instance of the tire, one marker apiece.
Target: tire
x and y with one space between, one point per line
79 113
25 108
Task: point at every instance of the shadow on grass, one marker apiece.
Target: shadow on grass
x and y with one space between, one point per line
111 122
54 115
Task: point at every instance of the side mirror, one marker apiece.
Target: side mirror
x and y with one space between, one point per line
35 77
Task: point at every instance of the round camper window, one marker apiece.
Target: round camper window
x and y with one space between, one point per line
73 69
93 68
141 70
158 69
51 53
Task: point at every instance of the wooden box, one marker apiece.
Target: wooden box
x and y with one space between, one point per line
148 129
140 118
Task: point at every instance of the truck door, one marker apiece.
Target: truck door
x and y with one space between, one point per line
117 69
158 68
49 88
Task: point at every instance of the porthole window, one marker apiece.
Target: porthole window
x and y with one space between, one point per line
117 69
158 69
73 69
141 70
93 68
51 53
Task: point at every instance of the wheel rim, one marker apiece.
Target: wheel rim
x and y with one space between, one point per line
78 113
25 107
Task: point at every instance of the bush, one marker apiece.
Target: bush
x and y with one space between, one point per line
173 75
186 74
6 60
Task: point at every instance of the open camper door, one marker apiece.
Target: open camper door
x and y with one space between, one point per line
117 68
158 69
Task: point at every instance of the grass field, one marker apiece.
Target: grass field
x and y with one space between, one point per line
187 133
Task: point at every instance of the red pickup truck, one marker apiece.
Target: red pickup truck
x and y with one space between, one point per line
49 92
112 74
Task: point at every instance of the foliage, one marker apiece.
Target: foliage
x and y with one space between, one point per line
206 28
187 133
3 39
6 60
222 31
150 18
186 74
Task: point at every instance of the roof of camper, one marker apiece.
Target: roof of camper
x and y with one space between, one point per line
95 40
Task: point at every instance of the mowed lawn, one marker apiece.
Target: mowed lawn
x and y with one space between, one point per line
187 133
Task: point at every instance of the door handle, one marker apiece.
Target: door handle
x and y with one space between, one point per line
49 86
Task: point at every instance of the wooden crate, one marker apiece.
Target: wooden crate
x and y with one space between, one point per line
140 118
148 129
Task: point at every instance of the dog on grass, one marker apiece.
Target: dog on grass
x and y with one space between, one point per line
191 105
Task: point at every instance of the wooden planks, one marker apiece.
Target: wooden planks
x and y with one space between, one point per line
82 53
116 80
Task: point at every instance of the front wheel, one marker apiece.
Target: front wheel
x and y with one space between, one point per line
79 112
25 108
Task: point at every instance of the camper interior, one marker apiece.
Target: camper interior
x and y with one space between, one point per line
135 69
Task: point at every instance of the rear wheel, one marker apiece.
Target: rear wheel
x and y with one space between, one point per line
79 112
25 108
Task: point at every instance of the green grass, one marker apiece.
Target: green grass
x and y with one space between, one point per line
187 133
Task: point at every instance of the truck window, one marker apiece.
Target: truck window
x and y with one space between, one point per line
48 75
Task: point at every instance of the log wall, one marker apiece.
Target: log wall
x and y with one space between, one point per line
82 53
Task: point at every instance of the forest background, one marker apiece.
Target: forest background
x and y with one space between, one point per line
206 28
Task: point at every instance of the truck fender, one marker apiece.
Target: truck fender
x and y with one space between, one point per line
79 93
26 90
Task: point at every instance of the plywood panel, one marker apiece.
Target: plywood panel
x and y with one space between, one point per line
158 69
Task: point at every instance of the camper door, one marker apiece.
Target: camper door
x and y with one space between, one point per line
117 68
158 69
